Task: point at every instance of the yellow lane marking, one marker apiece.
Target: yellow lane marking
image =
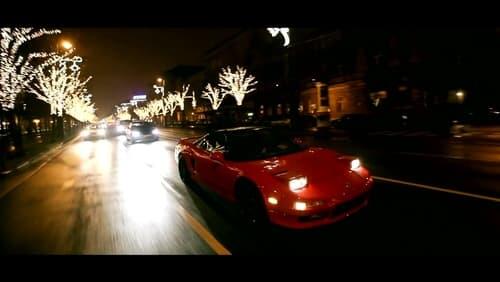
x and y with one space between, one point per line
197 226
203 232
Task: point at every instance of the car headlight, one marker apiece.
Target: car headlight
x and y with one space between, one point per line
156 131
355 164
300 206
297 184
136 133
120 128
101 132
85 133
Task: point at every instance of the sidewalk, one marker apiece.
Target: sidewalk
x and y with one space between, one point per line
34 150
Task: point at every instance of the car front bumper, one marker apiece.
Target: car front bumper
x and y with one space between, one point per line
319 216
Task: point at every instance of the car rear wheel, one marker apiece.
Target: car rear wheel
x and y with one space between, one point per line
251 204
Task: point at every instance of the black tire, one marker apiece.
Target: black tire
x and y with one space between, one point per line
184 173
251 204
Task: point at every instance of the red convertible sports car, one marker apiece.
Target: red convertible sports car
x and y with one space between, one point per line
274 179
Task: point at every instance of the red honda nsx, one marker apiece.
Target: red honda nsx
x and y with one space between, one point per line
274 179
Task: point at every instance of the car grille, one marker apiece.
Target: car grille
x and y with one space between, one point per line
344 207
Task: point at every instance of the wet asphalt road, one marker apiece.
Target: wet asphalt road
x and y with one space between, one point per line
107 197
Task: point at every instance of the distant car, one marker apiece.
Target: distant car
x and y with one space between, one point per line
273 179
93 131
142 131
122 126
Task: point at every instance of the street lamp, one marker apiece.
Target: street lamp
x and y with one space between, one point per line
160 88
460 96
66 44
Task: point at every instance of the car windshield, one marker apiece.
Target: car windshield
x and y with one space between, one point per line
259 144
143 125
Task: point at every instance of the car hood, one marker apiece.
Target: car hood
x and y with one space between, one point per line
328 173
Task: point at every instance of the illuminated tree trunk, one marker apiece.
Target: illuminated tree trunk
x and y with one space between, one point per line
15 132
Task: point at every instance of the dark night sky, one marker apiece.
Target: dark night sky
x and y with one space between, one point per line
125 60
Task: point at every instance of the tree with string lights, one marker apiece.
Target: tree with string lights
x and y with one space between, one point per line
142 112
122 113
16 71
237 84
214 95
80 107
55 83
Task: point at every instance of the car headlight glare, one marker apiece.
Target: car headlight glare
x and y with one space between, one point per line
297 184
156 131
300 206
355 164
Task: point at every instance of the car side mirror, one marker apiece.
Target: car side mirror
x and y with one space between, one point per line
217 155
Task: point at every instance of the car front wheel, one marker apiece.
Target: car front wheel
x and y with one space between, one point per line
252 206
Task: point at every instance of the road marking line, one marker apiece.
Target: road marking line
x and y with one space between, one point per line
203 233
445 157
22 165
170 188
197 226
429 187
432 155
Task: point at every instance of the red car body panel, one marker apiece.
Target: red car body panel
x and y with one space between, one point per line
333 192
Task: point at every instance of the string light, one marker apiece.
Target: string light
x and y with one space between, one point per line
54 85
122 113
284 31
214 95
237 84
80 107
180 96
16 71
193 101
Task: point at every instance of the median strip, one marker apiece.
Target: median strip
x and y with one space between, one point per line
433 188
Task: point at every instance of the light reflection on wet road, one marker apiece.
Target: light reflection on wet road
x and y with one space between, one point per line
100 196
107 197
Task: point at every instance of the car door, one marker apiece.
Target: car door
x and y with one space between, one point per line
221 174
201 163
